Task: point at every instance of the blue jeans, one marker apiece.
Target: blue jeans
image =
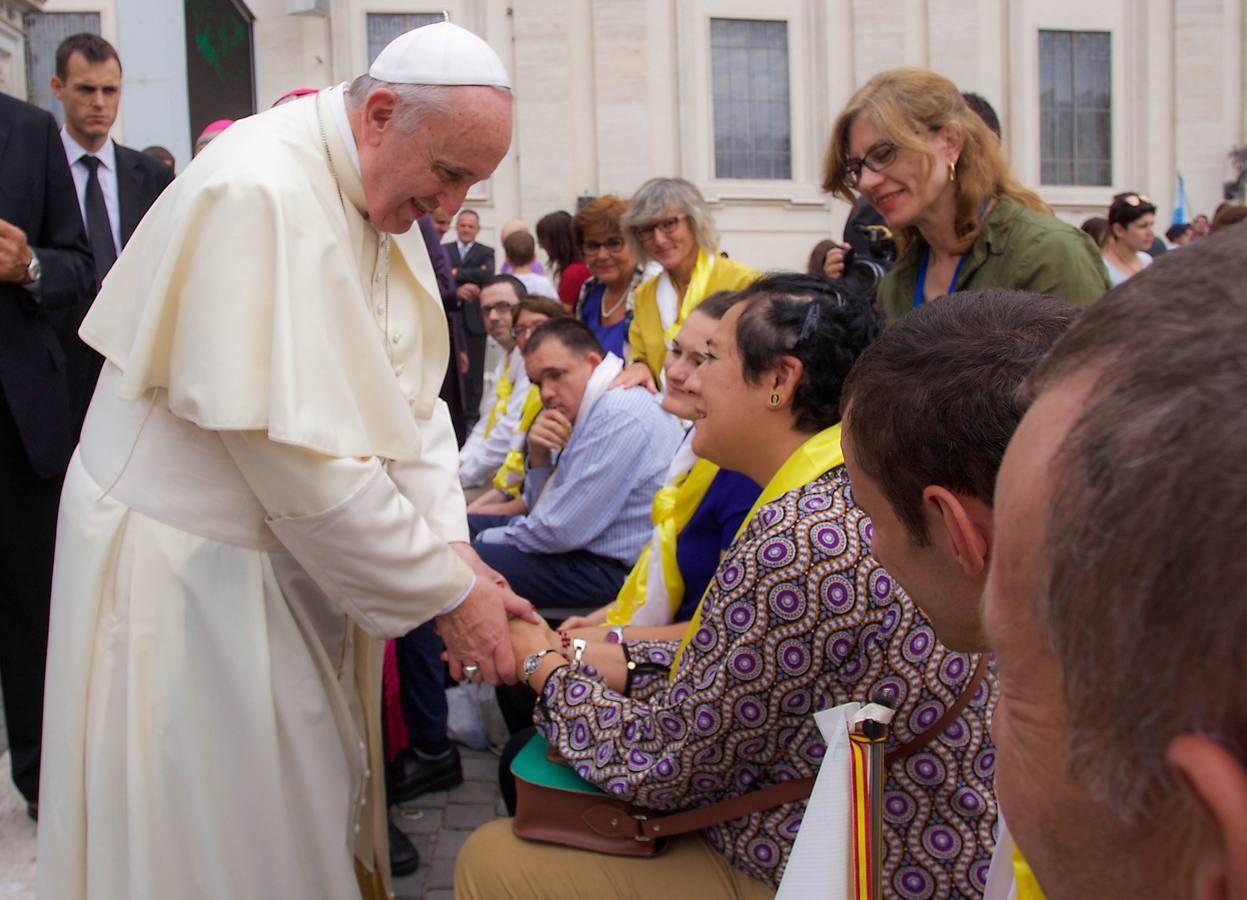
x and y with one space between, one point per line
558 584
478 522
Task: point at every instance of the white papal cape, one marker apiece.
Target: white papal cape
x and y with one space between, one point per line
265 486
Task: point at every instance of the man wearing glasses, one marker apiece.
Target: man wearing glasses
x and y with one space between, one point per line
487 446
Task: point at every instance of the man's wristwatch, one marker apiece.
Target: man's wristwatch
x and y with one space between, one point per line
531 662
34 271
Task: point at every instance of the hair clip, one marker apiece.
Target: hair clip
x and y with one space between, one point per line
811 322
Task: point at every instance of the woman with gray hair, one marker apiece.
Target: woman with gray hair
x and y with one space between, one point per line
668 221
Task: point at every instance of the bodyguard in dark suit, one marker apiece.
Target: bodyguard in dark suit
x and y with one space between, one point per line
472 265
45 267
115 185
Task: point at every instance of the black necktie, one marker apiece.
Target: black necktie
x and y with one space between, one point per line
99 230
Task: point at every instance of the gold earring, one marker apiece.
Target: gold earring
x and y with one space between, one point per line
776 400
952 171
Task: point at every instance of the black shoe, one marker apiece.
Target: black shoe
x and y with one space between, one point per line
419 774
403 856
32 811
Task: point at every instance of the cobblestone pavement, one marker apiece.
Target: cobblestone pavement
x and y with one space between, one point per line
439 823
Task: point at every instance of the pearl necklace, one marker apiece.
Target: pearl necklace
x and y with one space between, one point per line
607 313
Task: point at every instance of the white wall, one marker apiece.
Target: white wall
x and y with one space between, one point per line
611 92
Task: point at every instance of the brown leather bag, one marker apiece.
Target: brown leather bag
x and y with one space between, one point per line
556 806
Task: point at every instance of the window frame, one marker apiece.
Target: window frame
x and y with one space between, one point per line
809 122
1075 110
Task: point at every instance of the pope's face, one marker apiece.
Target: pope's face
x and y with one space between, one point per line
409 173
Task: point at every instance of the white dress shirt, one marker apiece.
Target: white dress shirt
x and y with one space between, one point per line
108 181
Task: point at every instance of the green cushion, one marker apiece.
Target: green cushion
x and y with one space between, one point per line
532 765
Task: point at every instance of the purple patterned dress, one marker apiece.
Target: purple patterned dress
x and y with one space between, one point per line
799 618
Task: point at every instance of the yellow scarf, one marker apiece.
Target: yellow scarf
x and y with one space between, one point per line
693 294
1024 879
502 395
510 475
819 454
673 506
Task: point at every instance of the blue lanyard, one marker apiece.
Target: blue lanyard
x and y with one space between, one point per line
922 276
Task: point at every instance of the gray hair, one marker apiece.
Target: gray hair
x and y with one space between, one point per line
655 199
1145 572
416 102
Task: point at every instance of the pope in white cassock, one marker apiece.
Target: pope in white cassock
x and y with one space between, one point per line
265 487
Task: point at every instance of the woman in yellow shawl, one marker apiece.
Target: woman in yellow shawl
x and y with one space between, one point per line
696 513
669 221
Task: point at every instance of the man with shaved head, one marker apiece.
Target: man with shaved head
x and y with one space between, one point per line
1115 600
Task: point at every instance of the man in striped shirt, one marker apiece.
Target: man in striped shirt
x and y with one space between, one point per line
595 460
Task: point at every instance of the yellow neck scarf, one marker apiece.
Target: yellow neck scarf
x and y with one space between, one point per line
510 475
693 294
1024 879
501 397
819 454
673 506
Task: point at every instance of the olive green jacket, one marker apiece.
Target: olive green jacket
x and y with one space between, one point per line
1018 248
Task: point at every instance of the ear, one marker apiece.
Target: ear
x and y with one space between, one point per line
1217 783
57 87
967 520
786 376
1116 230
951 141
594 359
377 114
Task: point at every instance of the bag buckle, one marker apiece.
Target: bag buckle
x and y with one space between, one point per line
641 837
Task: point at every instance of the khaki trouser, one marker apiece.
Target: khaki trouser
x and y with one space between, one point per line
494 864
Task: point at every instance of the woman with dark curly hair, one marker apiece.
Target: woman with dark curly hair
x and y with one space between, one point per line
798 617
568 271
908 142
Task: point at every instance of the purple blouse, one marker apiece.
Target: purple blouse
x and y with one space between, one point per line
799 617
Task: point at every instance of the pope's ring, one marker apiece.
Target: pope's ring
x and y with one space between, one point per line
471 670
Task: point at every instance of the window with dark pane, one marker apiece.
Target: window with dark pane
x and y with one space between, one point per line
749 81
384 27
1075 108
220 62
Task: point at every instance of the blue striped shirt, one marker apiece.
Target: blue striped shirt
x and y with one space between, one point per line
607 476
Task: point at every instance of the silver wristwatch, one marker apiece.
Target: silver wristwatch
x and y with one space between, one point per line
34 271
531 662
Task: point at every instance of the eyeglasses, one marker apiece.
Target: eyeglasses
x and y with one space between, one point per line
1135 199
612 245
877 158
666 226
488 311
520 330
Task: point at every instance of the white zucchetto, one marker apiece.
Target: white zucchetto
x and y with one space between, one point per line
441 53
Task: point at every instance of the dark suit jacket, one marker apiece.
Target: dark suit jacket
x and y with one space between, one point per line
140 180
37 195
476 269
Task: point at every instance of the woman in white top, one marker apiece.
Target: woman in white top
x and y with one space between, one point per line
1131 219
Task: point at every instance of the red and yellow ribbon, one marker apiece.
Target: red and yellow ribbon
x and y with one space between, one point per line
859 747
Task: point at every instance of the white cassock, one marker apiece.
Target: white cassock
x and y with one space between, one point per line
265 487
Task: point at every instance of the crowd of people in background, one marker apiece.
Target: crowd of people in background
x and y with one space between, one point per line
737 498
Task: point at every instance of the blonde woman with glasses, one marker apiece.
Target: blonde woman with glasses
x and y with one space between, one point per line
668 221
910 145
